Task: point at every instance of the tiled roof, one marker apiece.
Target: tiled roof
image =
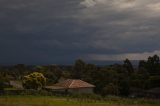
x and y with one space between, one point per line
74 83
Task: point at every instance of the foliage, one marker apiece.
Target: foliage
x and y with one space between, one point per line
89 73
108 79
154 81
102 77
2 85
128 65
34 80
53 73
19 70
124 87
78 69
3 81
152 65
140 79
110 89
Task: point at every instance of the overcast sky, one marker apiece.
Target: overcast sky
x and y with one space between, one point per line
60 31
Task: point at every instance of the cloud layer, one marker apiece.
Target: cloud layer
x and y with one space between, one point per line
60 31
120 57
125 26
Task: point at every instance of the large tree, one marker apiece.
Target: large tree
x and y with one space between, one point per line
90 71
3 80
78 69
53 73
34 80
19 70
152 65
128 66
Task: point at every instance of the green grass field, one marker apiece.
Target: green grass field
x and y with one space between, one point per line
61 101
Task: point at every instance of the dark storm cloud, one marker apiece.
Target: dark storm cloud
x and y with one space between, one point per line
36 30
60 31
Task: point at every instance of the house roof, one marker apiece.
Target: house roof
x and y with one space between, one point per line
74 83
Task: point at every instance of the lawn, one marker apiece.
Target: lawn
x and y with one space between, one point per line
62 101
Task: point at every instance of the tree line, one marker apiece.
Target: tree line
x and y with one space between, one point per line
116 79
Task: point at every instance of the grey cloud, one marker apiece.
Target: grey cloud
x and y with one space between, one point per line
60 31
125 25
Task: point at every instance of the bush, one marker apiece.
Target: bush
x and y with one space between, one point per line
2 85
154 81
124 88
34 80
110 89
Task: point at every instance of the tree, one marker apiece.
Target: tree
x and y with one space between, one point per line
128 66
53 73
88 75
34 80
139 79
3 80
2 84
110 89
124 87
103 77
78 69
142 64
154 81
153 66
19 70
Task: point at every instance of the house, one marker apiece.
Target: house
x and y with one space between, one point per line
16 84
72 86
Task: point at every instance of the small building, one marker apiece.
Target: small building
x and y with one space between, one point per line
72 86
16 84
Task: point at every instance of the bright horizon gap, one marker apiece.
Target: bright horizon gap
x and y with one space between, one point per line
121 57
